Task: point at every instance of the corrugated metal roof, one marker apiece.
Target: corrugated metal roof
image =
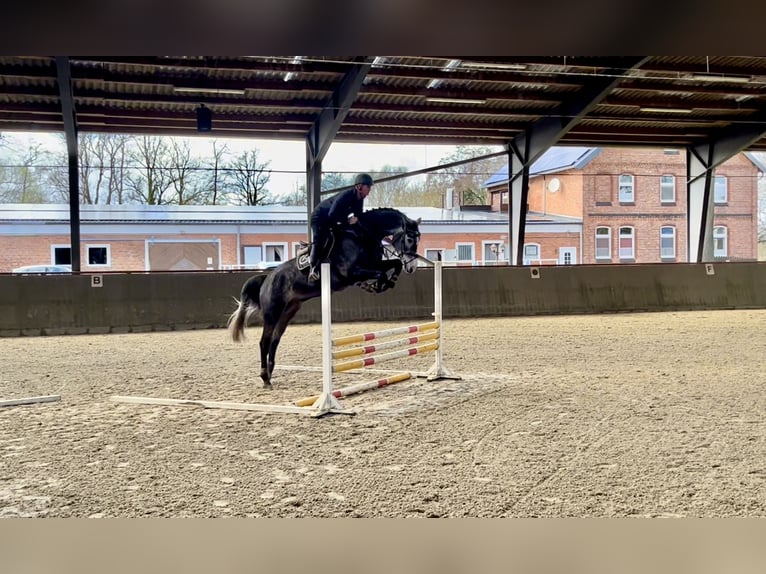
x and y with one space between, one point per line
283 96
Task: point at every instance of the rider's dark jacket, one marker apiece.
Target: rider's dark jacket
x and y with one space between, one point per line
334 211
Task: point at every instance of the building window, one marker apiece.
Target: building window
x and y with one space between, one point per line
626 188
627 243
464 252
667 243
667 188
435 254
720 189
531 253
493 251
61 255
98 255
720 242
276 252
603 243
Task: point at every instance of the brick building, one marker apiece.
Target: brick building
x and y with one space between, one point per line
632 202
171 237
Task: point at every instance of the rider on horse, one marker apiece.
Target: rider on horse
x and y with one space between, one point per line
333 214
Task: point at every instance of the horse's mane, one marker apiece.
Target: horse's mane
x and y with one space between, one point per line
381 210
377 212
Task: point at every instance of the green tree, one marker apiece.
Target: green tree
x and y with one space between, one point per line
336 180
20 181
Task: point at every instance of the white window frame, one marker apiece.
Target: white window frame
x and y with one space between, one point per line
528 259
632 237
624 186
90 246
473 252
428 253
498 256
608 237
668 185
720 233
724 188
59 246
268 256
671 254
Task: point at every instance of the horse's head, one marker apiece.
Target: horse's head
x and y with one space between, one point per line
406 243
401 232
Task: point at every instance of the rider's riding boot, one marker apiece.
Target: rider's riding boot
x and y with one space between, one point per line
313 262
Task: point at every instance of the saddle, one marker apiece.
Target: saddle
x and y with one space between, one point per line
302 259
302 256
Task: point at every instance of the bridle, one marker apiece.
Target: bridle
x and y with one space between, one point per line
399 239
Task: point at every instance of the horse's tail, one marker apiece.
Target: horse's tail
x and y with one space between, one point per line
248 304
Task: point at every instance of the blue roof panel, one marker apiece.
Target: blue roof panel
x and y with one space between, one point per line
554 160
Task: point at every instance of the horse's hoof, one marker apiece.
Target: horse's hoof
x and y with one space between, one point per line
267 385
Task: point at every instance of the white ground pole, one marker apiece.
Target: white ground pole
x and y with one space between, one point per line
30 400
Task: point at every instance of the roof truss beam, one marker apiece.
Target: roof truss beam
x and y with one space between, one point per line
336 108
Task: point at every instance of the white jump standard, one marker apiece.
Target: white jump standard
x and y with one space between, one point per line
429 333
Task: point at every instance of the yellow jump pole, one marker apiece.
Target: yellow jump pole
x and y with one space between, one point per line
358 388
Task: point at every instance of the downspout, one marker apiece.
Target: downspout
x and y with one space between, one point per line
239 245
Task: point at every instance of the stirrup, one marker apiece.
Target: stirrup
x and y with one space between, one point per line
314 274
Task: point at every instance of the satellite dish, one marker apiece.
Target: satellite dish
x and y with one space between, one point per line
554 185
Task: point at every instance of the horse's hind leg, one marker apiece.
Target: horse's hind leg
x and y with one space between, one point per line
276 335
265 344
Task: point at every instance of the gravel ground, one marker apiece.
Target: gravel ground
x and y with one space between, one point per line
654 414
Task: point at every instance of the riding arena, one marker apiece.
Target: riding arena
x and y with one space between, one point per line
587 414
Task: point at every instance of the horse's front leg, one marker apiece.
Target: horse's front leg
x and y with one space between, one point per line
383 277
391 269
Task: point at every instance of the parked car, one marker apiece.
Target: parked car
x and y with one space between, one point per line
43 269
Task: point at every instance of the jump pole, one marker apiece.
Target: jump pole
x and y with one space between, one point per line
358 388
29 400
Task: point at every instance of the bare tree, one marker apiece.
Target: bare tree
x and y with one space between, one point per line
248 179
115 154
216 180
466 180
184 175
296 197
151 182
389 193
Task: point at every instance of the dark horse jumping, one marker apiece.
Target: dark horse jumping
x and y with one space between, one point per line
356 258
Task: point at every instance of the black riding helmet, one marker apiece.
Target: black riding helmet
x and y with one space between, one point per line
364 179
